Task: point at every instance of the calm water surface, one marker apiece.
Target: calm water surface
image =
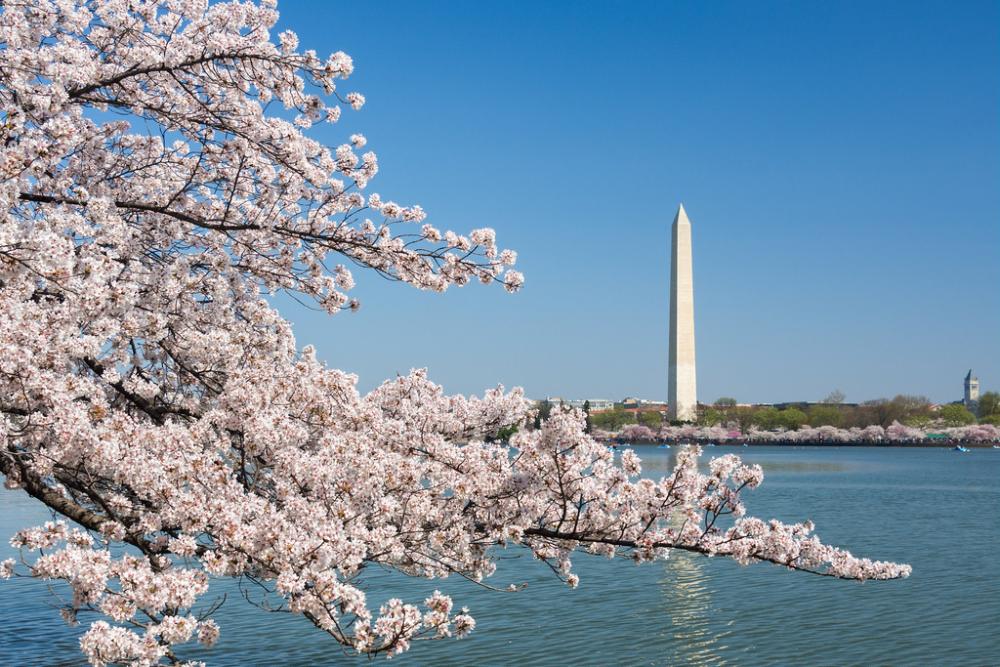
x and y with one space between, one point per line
935 509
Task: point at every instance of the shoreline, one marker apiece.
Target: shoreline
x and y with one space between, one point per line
949 445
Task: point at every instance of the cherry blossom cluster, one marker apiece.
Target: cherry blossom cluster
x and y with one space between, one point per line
156 184
227 184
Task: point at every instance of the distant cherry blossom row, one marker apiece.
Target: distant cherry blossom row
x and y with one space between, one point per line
895 433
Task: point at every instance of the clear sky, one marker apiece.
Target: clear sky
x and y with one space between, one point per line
840 163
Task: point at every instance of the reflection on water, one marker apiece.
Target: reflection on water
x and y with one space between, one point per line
688 604
656 466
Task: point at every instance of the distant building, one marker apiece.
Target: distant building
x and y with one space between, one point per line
971 397
596 404
629 404
632 403
641 405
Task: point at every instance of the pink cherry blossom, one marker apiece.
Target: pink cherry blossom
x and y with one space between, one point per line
157 184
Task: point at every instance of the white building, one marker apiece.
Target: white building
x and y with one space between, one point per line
595 403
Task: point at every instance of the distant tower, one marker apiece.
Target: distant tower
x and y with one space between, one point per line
971 398
681 380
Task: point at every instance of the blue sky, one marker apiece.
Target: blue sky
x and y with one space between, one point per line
840 164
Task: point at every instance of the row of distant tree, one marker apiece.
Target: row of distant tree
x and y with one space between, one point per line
896 433
910 410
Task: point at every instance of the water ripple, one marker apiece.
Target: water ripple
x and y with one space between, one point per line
930 508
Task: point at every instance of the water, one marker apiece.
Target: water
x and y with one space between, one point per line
933 508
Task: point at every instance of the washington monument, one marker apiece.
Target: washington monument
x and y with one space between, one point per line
681 383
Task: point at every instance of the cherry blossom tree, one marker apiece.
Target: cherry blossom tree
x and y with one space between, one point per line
158 183
899 432
637 432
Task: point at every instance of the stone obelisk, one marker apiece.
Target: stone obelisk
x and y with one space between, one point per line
681 383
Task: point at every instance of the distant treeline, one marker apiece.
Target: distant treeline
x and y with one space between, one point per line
896 433
913 411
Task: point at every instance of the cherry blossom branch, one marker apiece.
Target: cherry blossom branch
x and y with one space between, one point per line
157 183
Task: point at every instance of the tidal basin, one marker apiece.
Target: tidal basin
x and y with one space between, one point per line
933 508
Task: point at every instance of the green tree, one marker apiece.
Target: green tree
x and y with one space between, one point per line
651 418
601 420
767 419
725 402
825 415
989 404
710 417
744 417
955 414
792 418
918 421
612 420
